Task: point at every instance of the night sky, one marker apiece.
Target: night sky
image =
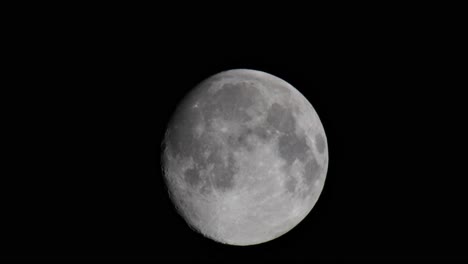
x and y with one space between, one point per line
90 98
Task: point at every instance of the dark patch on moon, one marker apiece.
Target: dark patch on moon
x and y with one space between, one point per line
231 102
240 139
192 176
181 137
291 183
311 171
206 188
262 133
243 138
281 118
320 143
223 175
292 147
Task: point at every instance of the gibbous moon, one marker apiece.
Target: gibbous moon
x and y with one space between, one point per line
244 157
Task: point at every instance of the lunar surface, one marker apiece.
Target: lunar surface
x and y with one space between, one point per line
244 157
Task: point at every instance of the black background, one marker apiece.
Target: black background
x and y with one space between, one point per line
89 97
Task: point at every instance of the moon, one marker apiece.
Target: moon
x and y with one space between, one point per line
244 157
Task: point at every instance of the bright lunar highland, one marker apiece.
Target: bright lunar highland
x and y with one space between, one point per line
244 157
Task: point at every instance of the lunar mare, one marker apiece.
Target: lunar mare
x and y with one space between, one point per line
245 157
